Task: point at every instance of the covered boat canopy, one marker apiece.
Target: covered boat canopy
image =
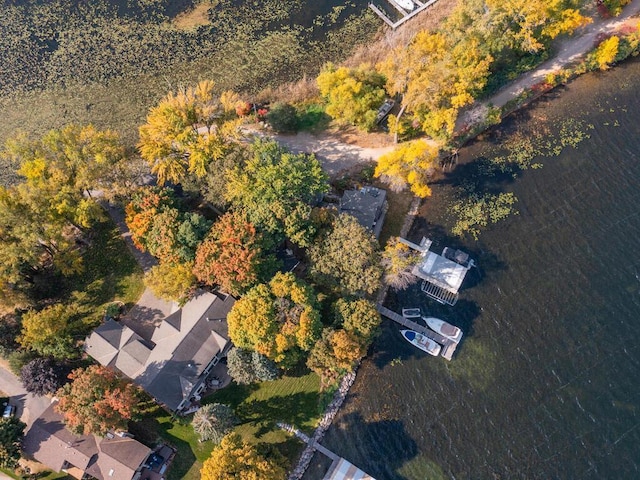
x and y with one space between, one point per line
441 271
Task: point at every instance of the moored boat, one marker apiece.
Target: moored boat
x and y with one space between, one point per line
406 4
421 341
443 328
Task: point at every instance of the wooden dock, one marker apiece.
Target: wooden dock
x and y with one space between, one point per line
448 346
420 7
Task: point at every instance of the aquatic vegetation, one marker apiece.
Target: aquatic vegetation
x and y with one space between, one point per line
478 211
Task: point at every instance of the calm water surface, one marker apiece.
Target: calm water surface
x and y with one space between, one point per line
546 384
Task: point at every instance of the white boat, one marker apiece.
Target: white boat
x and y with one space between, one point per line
443 328
422 342
406 4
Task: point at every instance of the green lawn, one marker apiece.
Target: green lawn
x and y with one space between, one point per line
399 204
110 274
294 400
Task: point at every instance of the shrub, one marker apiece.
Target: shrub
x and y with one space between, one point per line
283 118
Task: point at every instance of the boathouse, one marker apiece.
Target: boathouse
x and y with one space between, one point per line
442 275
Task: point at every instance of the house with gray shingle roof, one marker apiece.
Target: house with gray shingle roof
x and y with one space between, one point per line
173 365
368 205
83 456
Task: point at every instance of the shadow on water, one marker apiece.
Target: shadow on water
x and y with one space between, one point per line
395 447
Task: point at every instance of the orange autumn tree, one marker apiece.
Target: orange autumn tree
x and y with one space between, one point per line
141 212
233 255
98 400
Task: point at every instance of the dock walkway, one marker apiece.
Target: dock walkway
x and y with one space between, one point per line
448 346
421 6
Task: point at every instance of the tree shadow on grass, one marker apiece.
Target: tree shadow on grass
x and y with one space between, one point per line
297 409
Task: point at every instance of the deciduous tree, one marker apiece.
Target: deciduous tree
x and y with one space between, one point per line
275 187
357 316
98 400
353 95
187 131
241 461
11 433
346 258
411 164
436 78
233 255
43 376
398 261
213 421
279 320
283 118
142 210
335 354
49 331
171 281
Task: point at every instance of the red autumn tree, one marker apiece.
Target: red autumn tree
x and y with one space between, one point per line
98 400
233 255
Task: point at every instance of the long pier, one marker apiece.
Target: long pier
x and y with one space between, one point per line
421 6
448 346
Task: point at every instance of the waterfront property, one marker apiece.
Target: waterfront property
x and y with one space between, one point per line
116 456
442 275
172 365
368 205
448 345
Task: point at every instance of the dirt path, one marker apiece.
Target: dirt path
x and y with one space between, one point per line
336 155
570 50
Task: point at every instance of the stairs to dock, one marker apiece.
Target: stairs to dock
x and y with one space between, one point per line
439 294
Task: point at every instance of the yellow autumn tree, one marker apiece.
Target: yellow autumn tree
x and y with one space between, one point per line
436 78
526 24
188 130
410 165
603 56
235 459
353 95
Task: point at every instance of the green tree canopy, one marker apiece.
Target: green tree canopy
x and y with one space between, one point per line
233 255
11 433
275 188
187 131
49 331
353 95
241 461
279 320
283 118
346 258
98 400
357 316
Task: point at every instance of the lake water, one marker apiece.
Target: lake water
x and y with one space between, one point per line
546 384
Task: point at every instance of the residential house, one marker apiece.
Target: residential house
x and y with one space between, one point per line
368 205
116 456
173 364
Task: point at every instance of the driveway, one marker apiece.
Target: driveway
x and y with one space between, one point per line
29 407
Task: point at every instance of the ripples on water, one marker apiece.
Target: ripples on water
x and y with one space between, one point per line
546 384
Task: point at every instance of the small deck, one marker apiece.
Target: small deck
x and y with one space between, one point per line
448 346
420 6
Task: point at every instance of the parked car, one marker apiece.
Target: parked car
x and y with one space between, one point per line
154 461
9 411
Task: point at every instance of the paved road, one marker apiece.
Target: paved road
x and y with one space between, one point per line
29 407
